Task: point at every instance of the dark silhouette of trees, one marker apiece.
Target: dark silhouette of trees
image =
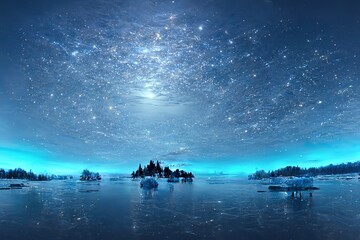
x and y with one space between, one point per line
331 169
19 173
153 169
139 172
158 169
167 172
177 173
90 176
2 173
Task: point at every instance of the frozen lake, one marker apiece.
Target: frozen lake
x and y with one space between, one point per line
225 208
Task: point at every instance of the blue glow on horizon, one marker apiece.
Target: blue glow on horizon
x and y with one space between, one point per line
43 162
308 155
35 160
13 158
305 156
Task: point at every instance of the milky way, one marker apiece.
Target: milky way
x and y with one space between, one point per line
180 81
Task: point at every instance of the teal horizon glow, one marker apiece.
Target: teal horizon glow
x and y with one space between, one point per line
309 155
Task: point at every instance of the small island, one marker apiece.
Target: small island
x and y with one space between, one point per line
155 170
295 179
90 176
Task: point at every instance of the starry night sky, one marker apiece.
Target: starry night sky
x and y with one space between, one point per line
208 85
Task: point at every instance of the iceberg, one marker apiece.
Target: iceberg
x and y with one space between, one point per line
299 182
148 183
294 185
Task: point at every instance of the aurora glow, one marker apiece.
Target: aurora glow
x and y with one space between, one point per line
225 86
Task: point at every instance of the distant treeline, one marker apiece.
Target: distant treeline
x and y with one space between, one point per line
19 173
153 169
313 171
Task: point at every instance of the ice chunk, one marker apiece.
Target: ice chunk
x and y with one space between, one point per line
299 182
148 183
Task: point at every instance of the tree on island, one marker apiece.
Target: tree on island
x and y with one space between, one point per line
159 169
313 171
167 172
89 176
153 169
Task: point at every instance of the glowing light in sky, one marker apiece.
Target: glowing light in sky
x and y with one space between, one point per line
149 94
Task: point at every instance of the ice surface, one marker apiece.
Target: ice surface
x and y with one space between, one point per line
108 210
